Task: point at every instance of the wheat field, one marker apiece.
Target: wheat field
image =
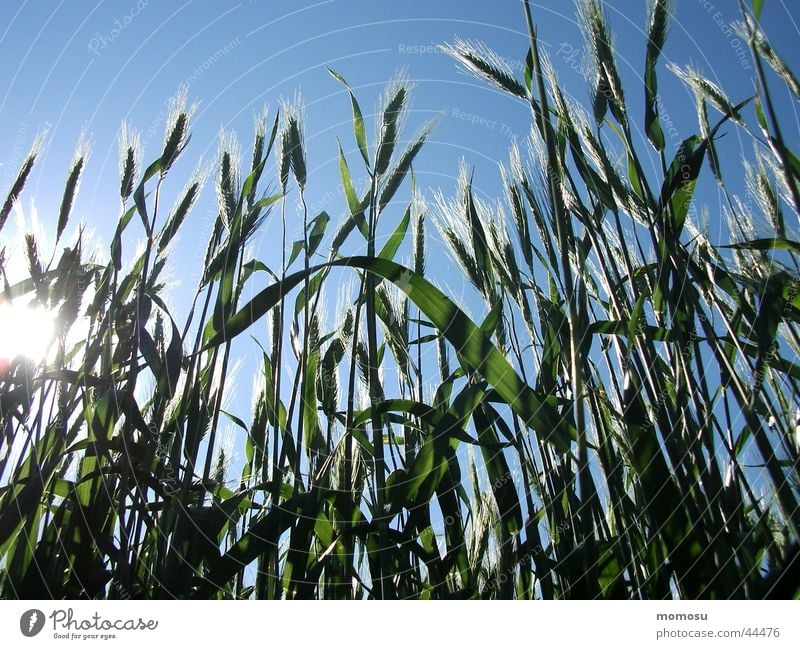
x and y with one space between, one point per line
621 421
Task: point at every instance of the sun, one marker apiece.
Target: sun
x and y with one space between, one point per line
25 331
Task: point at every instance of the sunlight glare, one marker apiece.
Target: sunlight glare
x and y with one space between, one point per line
25 331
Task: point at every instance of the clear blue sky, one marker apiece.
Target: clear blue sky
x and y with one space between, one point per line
87 65
68 64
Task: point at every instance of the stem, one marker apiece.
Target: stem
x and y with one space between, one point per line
303 353
382 589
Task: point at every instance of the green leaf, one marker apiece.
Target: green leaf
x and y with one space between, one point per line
261 535
633 176
235 420
770 313
139 198
678 188
528 71
313 287
499 474
761 116
623 328
318 226
493 319
389 248
347 183
429 467
449 425
358 119
770 243
311 431
116 243
651 120
473 346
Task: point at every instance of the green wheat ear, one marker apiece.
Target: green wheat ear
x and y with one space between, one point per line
606 405
71 186
22 177
176 132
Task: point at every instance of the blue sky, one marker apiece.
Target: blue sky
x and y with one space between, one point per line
88 65
81 65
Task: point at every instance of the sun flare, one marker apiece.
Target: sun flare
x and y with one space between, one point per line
25 331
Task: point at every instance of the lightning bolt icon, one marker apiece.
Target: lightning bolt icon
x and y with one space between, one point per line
32 621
